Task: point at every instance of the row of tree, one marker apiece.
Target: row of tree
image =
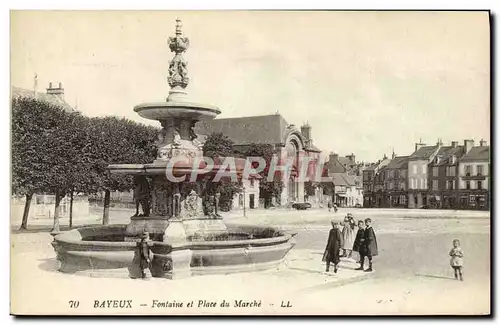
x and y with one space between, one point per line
62 153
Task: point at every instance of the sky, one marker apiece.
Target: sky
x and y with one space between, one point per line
368 83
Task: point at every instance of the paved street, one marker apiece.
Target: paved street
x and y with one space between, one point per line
412 271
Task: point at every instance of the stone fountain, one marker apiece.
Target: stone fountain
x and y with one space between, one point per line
188 233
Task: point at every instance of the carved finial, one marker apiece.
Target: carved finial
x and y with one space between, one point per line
177 71
178 27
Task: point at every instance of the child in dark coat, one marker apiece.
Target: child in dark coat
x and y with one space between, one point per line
359 238
333 246
368 246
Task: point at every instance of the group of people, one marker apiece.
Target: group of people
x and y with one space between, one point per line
346 237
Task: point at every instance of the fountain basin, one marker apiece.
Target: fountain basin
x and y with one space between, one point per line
243 248
177 109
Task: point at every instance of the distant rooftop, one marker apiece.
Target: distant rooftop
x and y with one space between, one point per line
52 99
477 154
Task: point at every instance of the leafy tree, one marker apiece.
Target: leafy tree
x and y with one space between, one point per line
118 141
216 146
30 160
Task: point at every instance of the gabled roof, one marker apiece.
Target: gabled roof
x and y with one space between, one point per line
338 179
447 152
267 129
400 162
477 154
48 98
423 153
347 162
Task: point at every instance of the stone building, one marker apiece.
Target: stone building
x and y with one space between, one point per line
373 183
286 140
395 182
443 176
474 176
417 174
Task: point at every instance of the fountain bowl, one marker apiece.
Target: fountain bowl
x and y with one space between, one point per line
177 109
243 248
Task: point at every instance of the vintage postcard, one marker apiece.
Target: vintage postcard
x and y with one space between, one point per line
250 163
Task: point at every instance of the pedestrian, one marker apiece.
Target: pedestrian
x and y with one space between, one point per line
329 206
333 247
359 238
456 261
348 235
368 247
144 253
335 207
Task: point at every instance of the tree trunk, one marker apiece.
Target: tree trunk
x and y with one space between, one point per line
105 215
27 204
71 209
56 228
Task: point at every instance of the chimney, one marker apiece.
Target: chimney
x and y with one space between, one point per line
483 143
333 157
393 155
454 144
468 144
351 157
385 157
59 91
439 143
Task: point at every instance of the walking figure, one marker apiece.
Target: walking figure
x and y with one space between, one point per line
333 247
329 206
335 207
368 246
456 260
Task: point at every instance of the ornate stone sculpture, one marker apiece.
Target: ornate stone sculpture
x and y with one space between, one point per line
142 196
177 72
191 205
177 138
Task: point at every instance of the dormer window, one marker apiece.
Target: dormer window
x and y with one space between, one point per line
438 159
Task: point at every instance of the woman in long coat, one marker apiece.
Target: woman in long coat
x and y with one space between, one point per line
333 246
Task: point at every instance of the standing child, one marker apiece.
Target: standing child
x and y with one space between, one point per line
359 238
333 246
456 260
348 235
369 247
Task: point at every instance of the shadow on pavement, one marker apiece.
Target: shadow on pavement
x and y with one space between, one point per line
436 276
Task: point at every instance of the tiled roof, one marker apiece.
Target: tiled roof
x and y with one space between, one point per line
477 154
338 179
447 152
349 179
48 98
424 152
269 129
400 162
347 162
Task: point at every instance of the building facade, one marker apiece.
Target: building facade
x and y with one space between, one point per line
417 174
474 177
396 182
287 141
